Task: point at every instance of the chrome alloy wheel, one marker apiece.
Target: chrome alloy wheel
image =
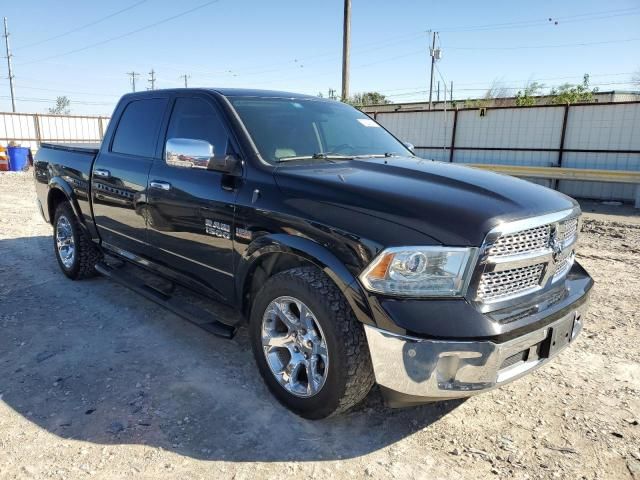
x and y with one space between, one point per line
64 241
294 346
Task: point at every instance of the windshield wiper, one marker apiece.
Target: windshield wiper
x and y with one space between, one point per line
316 156
377 155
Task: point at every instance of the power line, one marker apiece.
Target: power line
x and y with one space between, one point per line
68 91
552 20
36 99
562 45
82 27
124 35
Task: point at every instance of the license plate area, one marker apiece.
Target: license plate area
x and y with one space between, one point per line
559 336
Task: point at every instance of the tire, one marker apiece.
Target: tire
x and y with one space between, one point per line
347 373
85 255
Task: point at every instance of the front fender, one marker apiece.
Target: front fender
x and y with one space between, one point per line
312 252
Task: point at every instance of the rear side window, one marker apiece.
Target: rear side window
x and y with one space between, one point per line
139 126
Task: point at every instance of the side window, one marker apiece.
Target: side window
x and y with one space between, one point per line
138 128
196 119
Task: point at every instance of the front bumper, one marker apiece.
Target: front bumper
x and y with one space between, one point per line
413 370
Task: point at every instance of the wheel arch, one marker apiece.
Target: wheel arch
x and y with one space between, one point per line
271 254
60 191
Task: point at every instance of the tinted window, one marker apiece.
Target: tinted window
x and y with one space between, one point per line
196 119
138 129
282 127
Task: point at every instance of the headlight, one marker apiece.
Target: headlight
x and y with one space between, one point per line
419 271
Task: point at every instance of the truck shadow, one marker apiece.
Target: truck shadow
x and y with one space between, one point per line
92 361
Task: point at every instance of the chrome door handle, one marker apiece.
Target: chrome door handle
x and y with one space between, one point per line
160 185
101 172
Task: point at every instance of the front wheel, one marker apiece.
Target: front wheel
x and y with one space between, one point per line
310 349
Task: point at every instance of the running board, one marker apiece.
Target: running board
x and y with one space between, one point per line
194 314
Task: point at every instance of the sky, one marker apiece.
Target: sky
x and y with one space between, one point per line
83 49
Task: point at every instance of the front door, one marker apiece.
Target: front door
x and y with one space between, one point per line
191 213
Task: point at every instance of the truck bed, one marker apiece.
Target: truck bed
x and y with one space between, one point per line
69 166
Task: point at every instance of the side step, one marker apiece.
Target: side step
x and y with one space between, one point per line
194 314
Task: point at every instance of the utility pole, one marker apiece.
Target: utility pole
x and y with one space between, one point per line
438 95
152 79
186 77
432 52
451 92
346 47
133 76
11 76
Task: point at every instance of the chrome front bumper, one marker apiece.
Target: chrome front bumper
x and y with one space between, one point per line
441 369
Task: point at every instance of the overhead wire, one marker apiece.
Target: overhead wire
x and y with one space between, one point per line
80 28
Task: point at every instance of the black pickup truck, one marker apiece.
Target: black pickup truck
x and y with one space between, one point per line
353 261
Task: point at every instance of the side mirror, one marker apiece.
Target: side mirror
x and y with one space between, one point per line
191 153
410 146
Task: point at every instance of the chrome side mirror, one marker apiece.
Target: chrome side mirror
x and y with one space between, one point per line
191 153
410 146
188 153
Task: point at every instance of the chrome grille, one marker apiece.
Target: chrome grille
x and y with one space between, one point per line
506 283
525 241
524 256
567 230
563 263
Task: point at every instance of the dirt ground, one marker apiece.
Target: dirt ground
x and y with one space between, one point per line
97 382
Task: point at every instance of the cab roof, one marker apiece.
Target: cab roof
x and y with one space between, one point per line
228 92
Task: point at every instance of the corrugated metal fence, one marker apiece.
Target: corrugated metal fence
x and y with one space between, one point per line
29 129
599 136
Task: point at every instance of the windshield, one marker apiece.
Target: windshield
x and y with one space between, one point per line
295 129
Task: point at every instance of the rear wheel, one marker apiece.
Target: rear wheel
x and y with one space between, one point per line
310 349
76 254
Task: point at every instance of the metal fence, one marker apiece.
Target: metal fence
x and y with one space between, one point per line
29 129
602 136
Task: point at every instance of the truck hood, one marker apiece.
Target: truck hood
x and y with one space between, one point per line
453 204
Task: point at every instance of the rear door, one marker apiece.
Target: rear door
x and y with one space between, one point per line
192 209
120 175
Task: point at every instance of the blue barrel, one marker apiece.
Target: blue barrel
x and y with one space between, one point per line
18 158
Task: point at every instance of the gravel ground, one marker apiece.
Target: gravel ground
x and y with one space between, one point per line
97 382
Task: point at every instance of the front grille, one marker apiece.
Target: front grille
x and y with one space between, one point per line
506 283
520 261
563 263
567 230
525 241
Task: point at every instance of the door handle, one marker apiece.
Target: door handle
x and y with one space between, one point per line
160 185
101 172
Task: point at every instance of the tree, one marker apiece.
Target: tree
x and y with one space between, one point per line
62 106
367 98
496 95
526 97
568 93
